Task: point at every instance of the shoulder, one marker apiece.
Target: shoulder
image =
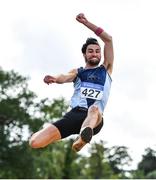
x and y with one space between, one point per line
73 71
107 69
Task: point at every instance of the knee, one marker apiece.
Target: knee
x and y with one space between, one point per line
93 109
33 142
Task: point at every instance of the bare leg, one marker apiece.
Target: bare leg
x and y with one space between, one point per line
92 120
45 136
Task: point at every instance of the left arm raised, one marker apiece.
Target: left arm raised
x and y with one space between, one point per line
106 38
108 51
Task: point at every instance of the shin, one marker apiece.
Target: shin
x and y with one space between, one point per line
93 118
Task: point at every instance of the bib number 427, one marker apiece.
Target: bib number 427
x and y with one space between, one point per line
91 93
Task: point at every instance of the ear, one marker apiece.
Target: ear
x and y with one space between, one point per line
84 55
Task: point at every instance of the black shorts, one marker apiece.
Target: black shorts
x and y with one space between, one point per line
72 121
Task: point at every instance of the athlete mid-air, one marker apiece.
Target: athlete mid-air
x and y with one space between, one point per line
92 85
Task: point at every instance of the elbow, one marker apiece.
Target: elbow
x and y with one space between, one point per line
59 82
60 79
107 39
110 39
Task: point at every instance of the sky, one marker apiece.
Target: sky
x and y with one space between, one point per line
40 37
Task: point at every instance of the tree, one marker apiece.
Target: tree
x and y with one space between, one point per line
70 158
151 175
97 166
15 101
20 111
148 162
118 159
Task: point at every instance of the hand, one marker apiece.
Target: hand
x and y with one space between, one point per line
81 18
49 79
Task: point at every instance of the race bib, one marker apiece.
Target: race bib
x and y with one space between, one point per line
91 90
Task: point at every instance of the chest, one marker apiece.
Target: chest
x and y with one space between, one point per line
96 76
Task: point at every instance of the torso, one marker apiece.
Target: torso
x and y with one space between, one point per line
92 86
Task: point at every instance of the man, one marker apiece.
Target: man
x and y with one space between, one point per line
91 90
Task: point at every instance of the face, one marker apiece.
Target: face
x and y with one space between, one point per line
93 55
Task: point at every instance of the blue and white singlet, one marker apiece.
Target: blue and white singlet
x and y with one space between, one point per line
91 86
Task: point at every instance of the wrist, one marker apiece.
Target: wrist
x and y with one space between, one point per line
85 23
98 31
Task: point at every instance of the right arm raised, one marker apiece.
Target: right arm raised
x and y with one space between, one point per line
61 78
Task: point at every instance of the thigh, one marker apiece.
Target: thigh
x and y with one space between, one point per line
44 136
71 122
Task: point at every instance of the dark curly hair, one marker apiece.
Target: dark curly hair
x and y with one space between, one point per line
88 42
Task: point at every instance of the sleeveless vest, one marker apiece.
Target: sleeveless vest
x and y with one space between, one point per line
91 86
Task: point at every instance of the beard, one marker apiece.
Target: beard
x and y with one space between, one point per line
92 62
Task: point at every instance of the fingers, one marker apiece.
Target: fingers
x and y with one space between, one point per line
80 16
48 79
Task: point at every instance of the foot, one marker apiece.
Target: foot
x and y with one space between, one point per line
84 138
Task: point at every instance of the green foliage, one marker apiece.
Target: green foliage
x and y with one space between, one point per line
70 158
151 175
17 113
119 159
48 161
146 167
15 99
15 161
97 166
54 109
137 174
148 163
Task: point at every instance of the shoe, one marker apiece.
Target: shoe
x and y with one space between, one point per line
84 138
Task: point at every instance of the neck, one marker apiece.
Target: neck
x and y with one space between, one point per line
90 67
